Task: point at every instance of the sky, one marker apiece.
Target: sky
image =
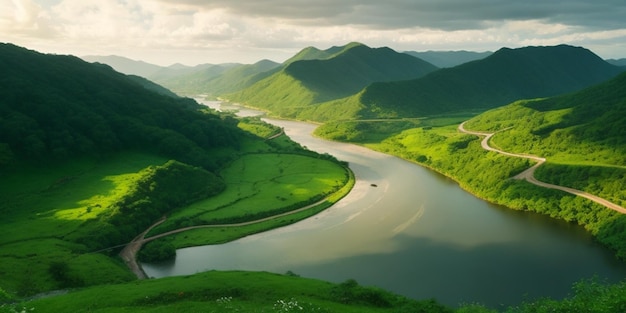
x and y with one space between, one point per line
192 32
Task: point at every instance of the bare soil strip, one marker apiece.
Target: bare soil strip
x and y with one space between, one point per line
529 174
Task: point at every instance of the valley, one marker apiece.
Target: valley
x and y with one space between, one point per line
90 158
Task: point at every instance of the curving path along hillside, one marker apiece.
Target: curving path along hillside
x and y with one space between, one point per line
529 174
129 253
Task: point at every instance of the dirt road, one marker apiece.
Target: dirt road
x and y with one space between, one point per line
529 174
129 253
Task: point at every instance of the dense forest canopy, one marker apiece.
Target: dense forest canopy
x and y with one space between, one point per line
55 107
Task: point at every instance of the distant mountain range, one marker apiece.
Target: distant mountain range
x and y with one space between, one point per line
444 59
503 77
356 81
209 79
618 62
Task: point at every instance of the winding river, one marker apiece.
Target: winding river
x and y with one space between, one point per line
415 233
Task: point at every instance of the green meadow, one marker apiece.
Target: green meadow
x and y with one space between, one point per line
260 186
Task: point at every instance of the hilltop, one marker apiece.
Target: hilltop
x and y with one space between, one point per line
306 82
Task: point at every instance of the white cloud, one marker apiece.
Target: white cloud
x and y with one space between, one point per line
198 31
24 18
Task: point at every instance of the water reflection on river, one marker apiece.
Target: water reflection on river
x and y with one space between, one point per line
416 233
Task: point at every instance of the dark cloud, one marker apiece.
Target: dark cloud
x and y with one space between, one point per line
435 14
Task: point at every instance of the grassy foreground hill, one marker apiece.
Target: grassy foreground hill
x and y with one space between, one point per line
505 76
302 84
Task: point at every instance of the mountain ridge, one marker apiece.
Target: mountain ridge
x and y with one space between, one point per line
305 82
505 76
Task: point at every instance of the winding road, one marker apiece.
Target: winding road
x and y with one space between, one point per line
529 174
129 253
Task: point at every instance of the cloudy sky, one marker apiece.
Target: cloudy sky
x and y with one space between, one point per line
218 31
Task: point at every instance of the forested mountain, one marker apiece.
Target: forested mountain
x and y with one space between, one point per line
58 107
443 59
505 76
305 82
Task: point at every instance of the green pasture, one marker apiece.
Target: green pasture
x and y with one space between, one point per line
217 235
262 185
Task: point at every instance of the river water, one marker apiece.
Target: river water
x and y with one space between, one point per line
415 233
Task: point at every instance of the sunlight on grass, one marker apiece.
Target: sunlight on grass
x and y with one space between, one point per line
100 203
260 185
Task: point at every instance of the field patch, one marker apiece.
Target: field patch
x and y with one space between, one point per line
262 185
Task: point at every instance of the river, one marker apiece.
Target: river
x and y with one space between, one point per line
415 233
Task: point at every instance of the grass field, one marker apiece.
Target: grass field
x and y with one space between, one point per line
260 185
217 235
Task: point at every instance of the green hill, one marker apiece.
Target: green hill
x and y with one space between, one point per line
306 82
579 125
505 76
237 78
59 107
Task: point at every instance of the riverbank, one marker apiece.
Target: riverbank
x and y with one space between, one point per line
441 147
242 229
